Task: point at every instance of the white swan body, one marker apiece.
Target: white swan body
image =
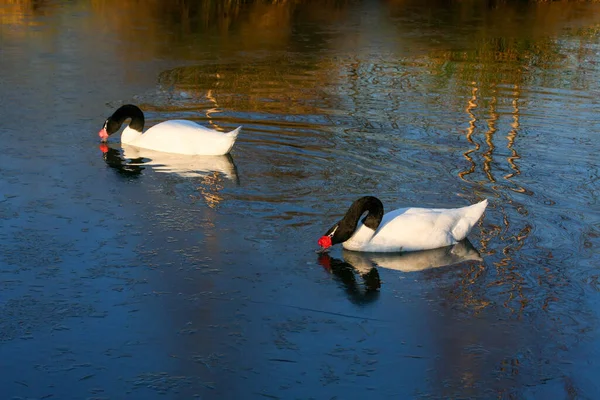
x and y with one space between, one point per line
404 229
174 136
181 137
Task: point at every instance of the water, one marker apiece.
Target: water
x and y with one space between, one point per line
122 273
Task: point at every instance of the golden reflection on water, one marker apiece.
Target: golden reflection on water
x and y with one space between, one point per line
16 16
489 139
210 189
512 135
276 86
214 110
509 277
15 12
488 154
471 105
157 26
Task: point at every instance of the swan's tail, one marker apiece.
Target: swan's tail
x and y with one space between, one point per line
476 210
228 140
234 133
469 217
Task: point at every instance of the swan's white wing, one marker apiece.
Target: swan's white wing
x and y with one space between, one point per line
186 137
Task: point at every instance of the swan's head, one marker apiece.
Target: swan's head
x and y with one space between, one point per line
110 127
338 233
114 122
345 227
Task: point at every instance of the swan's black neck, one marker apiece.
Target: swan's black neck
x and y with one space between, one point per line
114 122
370 204
345 228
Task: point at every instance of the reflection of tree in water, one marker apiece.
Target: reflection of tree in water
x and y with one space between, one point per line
18 11
279 88
205 25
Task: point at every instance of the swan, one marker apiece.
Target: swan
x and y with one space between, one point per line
174 136
404 229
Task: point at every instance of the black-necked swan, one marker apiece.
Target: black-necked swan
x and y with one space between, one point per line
404 229
174 136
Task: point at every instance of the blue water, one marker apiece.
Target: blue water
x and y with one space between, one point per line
124 277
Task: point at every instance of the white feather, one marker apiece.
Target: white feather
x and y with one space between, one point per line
182 137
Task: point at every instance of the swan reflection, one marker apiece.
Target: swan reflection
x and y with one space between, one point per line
208 173
365 265
364 293
182 165
414 261
133 160
113 158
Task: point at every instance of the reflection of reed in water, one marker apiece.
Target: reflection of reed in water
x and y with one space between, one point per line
215 109
507 268
155 28
488 154
471 105
263 87
489 137
511 137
